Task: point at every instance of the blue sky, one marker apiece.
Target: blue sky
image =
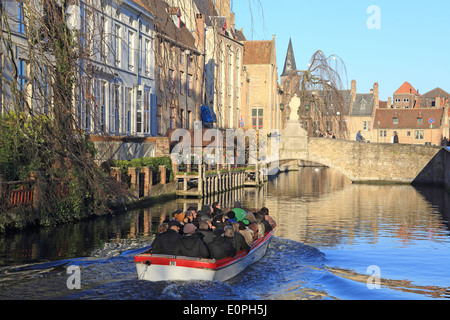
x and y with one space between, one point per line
412 43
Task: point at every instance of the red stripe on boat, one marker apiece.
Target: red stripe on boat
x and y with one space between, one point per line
198 263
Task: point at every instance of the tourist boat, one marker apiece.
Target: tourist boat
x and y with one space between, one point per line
158 267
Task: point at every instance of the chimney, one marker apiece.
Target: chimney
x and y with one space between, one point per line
438 102
353 90
376 96
445 120
200 32
223 8
389 103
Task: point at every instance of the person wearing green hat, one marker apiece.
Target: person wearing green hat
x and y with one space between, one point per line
239 214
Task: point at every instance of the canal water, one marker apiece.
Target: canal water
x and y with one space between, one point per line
335 240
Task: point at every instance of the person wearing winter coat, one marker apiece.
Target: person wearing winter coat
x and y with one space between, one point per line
221 247
167 242
246 232
205 233
236 238
259 222
267 217
190 244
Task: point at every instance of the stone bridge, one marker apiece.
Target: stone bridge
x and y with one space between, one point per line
365 162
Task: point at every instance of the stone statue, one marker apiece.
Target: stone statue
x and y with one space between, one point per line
294 105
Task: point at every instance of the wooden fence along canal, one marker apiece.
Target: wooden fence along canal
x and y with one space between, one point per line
210 180
205 181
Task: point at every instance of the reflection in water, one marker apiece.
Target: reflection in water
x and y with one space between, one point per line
80 239
326 210
401 285
329 232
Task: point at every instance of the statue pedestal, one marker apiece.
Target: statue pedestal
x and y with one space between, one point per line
293 141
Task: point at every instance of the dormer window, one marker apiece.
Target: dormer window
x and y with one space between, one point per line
395 120
363 104
419 119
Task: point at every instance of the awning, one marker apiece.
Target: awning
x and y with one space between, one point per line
208 115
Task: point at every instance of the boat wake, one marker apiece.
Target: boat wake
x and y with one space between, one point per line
287 271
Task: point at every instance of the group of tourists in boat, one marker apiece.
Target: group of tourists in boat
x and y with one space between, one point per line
211 233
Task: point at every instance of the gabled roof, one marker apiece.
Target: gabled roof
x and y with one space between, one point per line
407 118
165 25
435 93
406 88
259 52
239 35
207 8
427 99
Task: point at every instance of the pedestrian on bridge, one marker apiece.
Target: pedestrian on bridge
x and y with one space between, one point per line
359 136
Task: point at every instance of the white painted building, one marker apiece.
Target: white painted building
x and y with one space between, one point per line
117 95
121 71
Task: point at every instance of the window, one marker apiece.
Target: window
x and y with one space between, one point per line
103 41
395 120
143 111
139 112
419 120
141 56
398 100
257 118
148 55
171 80
114 110
126 114
130 50
366 125
100 103
146 123
408 133
182 119
182 83
418 135
383 133
20 25
117 48
172 118
189 85
85 106
23 78
405 100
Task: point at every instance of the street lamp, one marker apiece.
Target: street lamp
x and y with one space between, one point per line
187 52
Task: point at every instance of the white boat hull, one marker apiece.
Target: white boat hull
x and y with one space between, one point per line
174 268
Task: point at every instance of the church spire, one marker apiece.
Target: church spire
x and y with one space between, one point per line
289 66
